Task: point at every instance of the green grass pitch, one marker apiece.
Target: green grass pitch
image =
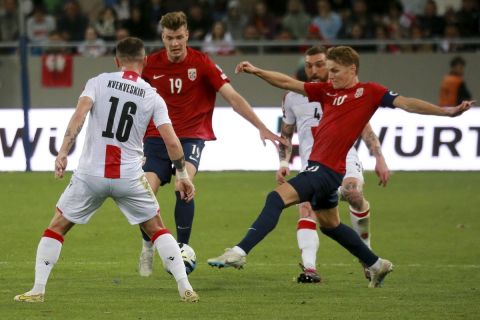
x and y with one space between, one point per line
427 223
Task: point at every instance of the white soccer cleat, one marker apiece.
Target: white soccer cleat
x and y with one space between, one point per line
377 277
29 297
229 259
145 263
190 296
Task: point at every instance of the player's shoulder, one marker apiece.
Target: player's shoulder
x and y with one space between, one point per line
373 86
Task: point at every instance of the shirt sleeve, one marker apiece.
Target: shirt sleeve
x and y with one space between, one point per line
288 115
214 74
89 90
160 112
314 91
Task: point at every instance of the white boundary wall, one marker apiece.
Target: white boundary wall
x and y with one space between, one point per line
409 141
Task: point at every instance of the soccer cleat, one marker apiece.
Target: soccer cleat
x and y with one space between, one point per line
366 271
28 297
377 277
229 259
308 275
145 263
190 296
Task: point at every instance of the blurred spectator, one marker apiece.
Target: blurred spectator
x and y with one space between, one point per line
416 7
468 18
417 36
53 7
138 26
327 21
122 8
235 21
381 34
199 22
296 20
357 34
92 46
39 25
450 37
219 9
121 34
284 35
263 20
56 44
360 16
72 23
219 41
154 10
107 24
250 34
450 16
453 89
430 22
176 5
9 30
397 22
91 8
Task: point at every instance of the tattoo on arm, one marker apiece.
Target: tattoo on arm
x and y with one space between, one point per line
71 135
285 152
179 163
372 142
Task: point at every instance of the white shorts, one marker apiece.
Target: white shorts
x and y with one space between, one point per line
354 168
85 194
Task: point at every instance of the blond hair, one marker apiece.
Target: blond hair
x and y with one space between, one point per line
174 20
344 55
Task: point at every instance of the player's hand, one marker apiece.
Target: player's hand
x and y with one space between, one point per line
60 165
282 172
381 169
186 188
461 108
266 134
246 67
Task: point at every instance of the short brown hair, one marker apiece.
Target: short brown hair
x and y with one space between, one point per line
315 50
174 20
130 49
343 55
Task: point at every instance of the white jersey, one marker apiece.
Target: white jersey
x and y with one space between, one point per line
123 104
298 110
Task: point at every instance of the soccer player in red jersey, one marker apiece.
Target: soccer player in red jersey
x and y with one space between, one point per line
188 80
348 105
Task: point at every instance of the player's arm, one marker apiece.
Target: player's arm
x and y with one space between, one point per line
375 148
277 79
423 107
175 153
84 105
243 108
285 151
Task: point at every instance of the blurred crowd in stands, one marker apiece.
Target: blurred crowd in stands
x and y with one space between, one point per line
222 26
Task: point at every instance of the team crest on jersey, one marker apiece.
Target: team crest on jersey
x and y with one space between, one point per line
192 74
359 93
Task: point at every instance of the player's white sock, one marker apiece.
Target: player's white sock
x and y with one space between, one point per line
169 252
48 251
361 224
308 241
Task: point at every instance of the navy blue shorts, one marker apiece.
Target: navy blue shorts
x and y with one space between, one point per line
317 185
157 159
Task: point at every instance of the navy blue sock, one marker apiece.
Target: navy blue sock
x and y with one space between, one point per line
144 235
350 240
183 218
266 222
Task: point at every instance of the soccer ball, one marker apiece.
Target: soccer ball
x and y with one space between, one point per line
188 256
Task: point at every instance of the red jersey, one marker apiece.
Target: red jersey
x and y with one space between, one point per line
189 88
346 112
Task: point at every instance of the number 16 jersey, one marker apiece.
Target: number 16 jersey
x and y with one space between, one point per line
123 104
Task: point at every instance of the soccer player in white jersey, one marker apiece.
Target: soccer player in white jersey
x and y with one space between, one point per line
300 113
121 105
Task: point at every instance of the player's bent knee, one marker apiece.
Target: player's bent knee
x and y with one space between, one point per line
305 211
354 197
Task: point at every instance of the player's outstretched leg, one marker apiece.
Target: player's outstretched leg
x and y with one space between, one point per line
184 212
48 251
169 252
145 262
266 222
